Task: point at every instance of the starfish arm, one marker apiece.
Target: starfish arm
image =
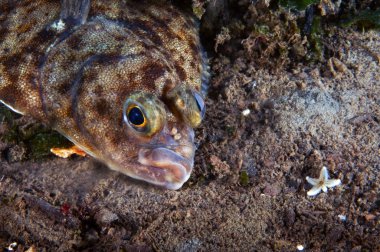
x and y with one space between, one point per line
314 191
324 188
324 175
312 181
333 182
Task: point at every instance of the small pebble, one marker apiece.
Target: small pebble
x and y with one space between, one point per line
342 217
301 85
300 247
16 153
105 217
12 246
246 112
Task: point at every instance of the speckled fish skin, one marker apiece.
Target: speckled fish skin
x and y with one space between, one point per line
75 73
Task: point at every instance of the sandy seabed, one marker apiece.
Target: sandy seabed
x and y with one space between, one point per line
248 188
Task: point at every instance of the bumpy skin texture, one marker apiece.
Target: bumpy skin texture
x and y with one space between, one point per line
77 73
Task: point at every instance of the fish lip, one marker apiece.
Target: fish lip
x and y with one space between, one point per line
166 167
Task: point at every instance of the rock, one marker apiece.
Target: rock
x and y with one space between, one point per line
16 153
105 217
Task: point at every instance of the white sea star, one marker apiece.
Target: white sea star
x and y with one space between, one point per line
58 25
321 183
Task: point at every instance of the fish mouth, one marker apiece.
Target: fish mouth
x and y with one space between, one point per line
165 162
167 167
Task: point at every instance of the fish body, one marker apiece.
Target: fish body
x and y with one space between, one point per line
121 79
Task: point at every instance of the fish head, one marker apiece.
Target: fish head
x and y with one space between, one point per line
158 137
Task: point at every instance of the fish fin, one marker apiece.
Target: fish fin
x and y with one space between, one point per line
75 11
67 152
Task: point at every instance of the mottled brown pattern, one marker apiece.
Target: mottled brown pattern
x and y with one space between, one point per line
10 94
74 42
64 87
151 72
3 32
77 76
180 71
43 36
145 28
103 108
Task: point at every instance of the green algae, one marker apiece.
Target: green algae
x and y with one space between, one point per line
315 39
365 19
6 115
244 178
38 138
41 143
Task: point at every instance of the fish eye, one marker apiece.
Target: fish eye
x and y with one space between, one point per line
200 103
136 117
144 114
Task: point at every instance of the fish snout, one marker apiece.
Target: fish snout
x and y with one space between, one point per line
171 161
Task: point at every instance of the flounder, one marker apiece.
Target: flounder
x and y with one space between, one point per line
123 80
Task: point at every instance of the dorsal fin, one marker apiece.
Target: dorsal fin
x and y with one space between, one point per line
75 11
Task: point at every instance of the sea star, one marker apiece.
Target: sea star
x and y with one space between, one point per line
321 183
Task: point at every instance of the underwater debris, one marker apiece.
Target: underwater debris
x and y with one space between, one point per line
12 246
300 247
246 112
322 183
342 217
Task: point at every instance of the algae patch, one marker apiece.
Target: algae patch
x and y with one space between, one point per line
366 19
244 178
41 143
22 135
